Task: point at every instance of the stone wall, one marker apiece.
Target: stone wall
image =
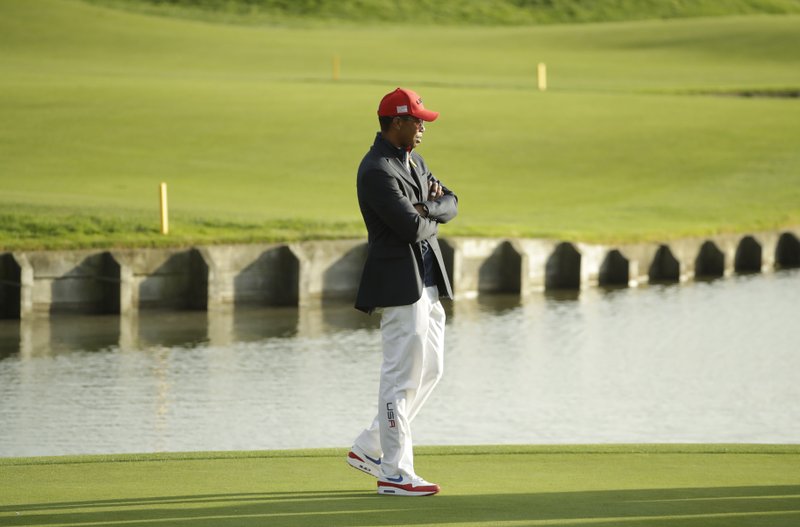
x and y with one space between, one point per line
122 281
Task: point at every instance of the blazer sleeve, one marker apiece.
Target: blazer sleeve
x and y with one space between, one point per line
382 193
445 208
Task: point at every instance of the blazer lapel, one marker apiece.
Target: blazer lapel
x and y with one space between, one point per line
418 182
399 168
410 178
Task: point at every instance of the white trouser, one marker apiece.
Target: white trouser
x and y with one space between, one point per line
413 358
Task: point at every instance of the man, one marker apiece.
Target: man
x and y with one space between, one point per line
402 205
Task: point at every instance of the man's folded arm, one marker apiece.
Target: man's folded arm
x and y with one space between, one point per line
382 193
443 209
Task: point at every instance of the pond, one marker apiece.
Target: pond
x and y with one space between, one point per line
714 361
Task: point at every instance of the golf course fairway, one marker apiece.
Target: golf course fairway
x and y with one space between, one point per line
625 485
643 133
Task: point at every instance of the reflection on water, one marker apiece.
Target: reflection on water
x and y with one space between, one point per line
43 335
710 361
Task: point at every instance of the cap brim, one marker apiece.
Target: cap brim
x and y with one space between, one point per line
426 115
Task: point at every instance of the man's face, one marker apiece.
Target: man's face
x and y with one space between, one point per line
410 132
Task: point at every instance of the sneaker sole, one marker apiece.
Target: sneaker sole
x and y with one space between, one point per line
392 490
359 464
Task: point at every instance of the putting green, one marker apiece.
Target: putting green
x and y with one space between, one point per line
632 485
256 142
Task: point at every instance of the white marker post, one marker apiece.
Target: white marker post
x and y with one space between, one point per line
541 76
164 211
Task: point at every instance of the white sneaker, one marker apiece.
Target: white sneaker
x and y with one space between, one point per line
405 486
359 459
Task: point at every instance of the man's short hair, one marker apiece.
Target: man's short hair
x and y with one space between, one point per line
386 122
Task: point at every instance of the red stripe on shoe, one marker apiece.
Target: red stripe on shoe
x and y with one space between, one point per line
353 456
409 487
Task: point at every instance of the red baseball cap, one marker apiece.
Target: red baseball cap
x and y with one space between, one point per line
405 102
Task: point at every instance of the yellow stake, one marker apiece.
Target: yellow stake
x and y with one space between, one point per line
336 67
541 75
164 213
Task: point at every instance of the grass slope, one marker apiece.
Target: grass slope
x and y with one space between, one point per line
257 143
475 12
642 486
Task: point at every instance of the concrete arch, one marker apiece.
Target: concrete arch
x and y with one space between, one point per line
665 268
710 261
501 272
77 282
563 268
615 270
341 278
748 256
175 280
273 279
787 252
10 287
110 278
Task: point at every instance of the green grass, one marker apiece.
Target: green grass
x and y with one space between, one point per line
457 12
97 106
631 485
56 227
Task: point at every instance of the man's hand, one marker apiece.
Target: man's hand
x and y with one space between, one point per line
435 190
422 209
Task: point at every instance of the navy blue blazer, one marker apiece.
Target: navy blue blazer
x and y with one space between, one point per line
387 193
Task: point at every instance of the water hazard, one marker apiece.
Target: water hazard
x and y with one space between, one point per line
701 362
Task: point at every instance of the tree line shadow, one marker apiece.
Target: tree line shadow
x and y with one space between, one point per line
763 506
